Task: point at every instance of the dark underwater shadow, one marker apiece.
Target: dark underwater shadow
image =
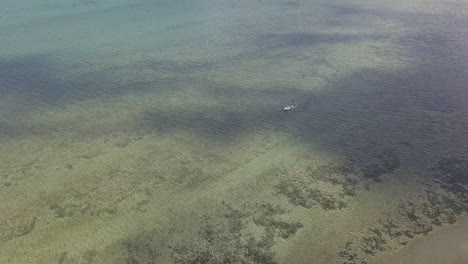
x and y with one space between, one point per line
416 115
367 108
421 106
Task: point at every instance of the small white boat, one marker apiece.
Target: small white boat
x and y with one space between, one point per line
289 107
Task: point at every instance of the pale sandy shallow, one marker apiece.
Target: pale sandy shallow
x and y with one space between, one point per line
448 245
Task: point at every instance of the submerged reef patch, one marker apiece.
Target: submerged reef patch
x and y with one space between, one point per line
330 186
452 175
381 163
440 205
20 173
14 223
232 236
93 202
325 186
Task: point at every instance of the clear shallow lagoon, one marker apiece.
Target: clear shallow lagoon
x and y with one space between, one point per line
152 131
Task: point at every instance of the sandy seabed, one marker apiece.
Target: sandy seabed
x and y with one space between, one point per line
448 245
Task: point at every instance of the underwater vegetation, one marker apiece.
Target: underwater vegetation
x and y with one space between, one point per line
235 236
440 205
330 186
349 256
141 250
23 225
18 175
92 202
452 175
16 222
386 162
301 194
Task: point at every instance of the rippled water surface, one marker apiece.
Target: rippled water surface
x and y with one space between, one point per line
152 131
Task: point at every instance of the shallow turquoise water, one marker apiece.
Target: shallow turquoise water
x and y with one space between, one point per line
196 87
